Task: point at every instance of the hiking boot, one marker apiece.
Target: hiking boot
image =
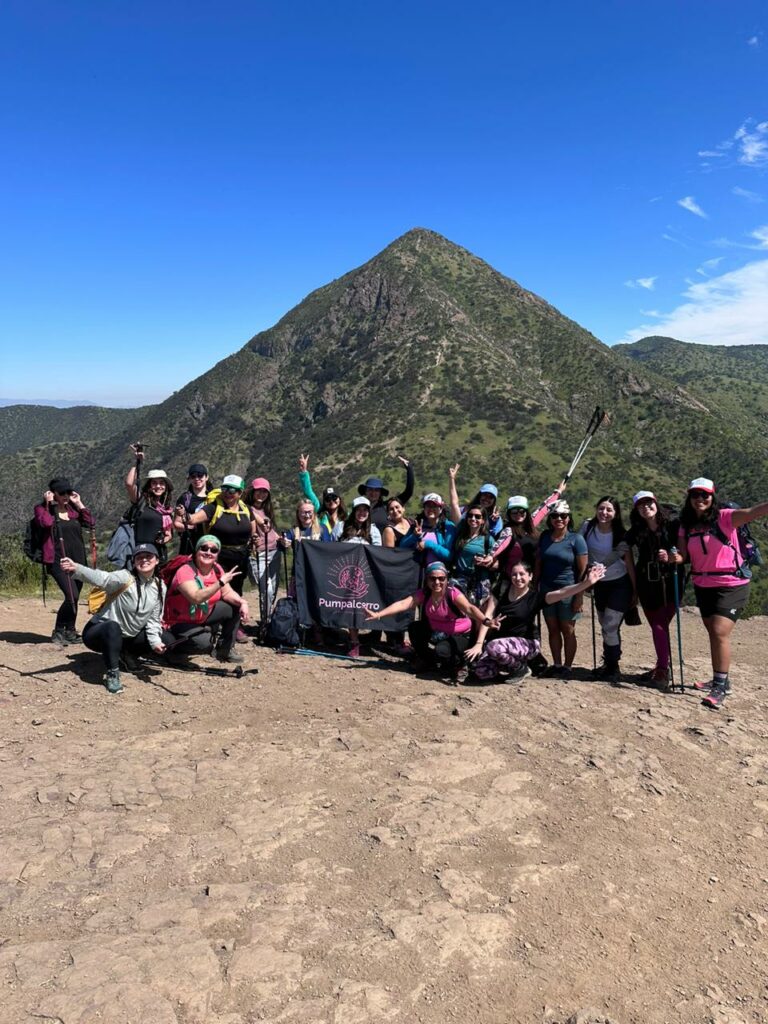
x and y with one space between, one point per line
715 697
709 684
553 672
538 665
59 636
565 673
660 679
112 681
231 656
72 636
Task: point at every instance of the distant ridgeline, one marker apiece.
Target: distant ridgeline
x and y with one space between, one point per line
428 351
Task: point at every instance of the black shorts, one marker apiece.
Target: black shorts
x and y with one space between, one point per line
726 601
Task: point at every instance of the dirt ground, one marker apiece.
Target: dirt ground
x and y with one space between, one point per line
328 841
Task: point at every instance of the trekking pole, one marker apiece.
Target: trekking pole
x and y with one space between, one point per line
94 548
669 641
598 416
58 541
676 589
265 597
258 587
594 638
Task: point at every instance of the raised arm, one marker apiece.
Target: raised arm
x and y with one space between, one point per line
742 516
405 496
596 572
305 483
130 477
542 511
404 605
453 494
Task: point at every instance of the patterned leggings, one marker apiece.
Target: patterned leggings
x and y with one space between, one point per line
510 652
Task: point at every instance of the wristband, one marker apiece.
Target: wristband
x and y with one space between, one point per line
487 621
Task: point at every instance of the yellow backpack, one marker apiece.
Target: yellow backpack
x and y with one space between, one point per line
241 510
97 599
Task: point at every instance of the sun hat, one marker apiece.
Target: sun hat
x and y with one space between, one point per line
233 480
560 506
701 483
157 474
145 549
373 483
208 538
489 489
361 501
434 497
518 501
260 482
641 495
197 468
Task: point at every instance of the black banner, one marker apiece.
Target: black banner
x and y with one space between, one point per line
336 583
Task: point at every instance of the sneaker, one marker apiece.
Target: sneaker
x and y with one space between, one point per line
519 675
230 656
242 637
566 673
715 698
112 681
553 672
709 684
59 636
459 676
354 651
72 636
660 679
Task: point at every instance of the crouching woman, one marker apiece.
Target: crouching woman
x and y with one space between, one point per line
444 631
129 620
201 601
514 606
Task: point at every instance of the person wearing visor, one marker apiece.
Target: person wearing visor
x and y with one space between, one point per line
654 529
330 506
374 490
561 562
129 622
233 524
193 499
60 518
201 602
708 538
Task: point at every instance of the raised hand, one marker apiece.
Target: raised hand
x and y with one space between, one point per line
48 497
138 455
453 471
406 462
76 499
304 463
229 575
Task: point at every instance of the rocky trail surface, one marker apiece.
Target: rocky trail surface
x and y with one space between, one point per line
329 842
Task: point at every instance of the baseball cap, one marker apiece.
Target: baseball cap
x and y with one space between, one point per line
702 483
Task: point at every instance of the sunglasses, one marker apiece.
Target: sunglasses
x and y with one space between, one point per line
518 511
209 549
332 497
700 494
231 490
63 494
438 579
473 515
558 515
198 476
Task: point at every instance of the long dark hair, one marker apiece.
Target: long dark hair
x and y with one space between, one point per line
149 497
617 526
156 578
354 529
341 511
640 525
267 508
462 534
688 517
440 522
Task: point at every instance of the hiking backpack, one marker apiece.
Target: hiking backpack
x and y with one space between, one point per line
284 625
34 535
746 554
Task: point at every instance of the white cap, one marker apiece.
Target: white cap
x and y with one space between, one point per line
432 496
361 501
701 483
642 494
233 480
518 501
157 474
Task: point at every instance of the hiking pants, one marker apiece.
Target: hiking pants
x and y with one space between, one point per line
235 558
66 616
105 637
659 620
612 599
511 653
222 614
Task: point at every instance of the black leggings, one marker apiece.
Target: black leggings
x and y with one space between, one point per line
222 614
235 558
66 616
104 636
449 651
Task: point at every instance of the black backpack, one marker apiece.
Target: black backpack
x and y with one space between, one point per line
284 624
34 535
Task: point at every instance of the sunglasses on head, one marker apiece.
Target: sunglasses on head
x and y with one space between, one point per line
210 549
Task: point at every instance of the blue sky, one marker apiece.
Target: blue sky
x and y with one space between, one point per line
177 175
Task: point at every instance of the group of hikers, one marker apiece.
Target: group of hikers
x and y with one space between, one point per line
490 571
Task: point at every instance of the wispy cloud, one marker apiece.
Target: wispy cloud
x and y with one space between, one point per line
690 204
744 193
642 282
710 153
709 265
731 309
754 41
759 236
752 142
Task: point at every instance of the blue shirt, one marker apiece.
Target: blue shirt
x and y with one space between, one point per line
558 559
